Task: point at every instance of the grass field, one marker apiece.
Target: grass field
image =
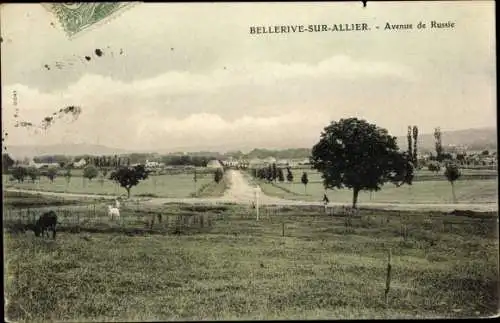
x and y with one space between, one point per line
244 269
420 175
179 185
467 191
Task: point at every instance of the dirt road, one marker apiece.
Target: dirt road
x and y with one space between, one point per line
240 191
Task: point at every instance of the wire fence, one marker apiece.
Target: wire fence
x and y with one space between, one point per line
234 219
95 218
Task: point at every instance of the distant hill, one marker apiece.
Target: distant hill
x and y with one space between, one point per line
62 149
475 139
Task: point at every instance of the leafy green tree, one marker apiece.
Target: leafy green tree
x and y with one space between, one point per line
51 174
67 175
415 141
410 143
274 172
7 162
33 173
289 175
19 173
129 177
270 173
90 172
452 173
358 155
434 166
304 181
281 176
218 175
438 144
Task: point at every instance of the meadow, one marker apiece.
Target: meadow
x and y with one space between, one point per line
175 186
467 191
420 175
297 264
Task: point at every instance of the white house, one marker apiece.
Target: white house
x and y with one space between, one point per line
79 164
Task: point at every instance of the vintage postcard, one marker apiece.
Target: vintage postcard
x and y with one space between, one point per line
249 161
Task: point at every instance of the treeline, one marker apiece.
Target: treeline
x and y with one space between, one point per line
272 173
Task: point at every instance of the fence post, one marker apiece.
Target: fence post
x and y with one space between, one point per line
78 221
388 277
282 227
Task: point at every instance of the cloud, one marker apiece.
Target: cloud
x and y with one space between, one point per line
137 113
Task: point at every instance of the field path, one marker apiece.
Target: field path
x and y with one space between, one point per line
240 191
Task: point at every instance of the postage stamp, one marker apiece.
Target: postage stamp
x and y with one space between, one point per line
75 17
242 161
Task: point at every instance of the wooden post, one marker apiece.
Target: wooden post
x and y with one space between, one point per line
257 203
282 227
388 278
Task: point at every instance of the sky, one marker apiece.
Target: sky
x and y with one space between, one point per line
191 76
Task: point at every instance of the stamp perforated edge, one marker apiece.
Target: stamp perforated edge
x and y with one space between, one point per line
125 6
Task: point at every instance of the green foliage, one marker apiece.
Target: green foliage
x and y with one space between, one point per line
281 176
304 179
19 173
434 166
67 174
51 173
289 175
218 175
90 172
7 162
33 173
129 177
355 154
452 172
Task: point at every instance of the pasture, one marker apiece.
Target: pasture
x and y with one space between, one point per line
467 191
175 186
294 264
420 175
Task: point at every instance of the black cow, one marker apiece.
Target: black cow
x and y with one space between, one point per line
46 222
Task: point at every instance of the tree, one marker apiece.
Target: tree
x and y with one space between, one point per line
129 177
415 140
104 172
218 175
410 144
7 162
358 155
195 180
19 173
67 175
289 175
304 181
434 166
274 172
452 173
281 176
485 153
438 144
270 173
90 172
33 173
51 174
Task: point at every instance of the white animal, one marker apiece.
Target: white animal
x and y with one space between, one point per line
113 211
117 204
